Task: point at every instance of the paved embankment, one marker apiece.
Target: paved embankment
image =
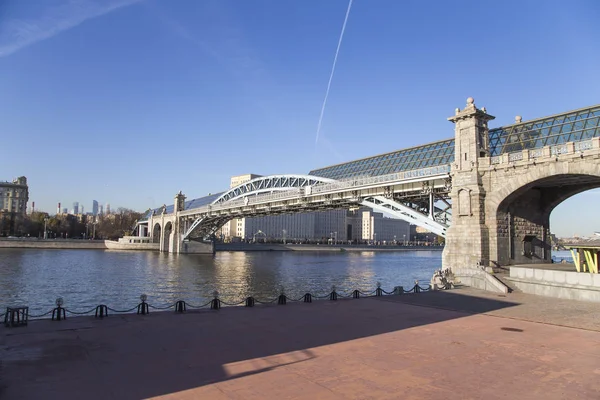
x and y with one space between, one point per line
52 244
73 244
461 344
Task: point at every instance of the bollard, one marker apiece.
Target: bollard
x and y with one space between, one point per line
282 299
180 306
379 290
59 311
250 301
356 294
142 308
398 290
333 295
215 303
101 311
308 298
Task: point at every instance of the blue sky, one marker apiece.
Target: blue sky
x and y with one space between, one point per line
128 102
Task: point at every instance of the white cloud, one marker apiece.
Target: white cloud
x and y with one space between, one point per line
19 32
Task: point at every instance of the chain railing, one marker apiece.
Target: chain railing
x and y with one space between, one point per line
101 311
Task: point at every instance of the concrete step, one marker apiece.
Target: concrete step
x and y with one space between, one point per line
505 279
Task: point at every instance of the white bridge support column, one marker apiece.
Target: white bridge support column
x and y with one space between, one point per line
468 238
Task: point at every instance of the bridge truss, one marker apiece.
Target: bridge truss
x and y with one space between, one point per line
420 197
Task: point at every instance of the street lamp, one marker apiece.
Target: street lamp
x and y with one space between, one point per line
394 240
45 230
375 234
335 238
404 239
283 233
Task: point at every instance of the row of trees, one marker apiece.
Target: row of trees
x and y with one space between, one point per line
66 226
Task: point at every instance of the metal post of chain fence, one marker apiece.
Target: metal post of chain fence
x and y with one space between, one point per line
308 298
101 311
59 311
180 306
215 303
333 295
143 308
356 294
250 301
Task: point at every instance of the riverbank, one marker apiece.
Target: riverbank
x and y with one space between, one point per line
443 345
72 244
315 247
35 243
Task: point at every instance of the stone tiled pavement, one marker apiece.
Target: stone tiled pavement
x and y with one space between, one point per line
462 344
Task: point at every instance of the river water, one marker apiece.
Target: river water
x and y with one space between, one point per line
87 278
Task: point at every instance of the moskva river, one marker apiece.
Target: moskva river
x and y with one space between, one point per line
87 278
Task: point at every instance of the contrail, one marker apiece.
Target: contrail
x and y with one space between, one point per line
332 71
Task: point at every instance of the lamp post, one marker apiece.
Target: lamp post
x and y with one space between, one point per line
94 230
335 238
375 234
45 230
404 239
283 235
394 240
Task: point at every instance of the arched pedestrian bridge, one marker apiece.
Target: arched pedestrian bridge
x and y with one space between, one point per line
490 192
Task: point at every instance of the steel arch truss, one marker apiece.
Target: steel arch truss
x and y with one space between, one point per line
269 184
406 213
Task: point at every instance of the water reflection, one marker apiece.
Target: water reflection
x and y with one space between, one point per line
86 278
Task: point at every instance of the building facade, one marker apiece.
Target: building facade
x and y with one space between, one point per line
13 204
14 196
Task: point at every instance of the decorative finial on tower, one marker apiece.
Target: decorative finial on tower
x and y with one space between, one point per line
456 111
470 101
484 110
518 119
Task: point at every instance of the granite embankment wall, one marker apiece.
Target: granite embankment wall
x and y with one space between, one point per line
72 244
572 285
310 247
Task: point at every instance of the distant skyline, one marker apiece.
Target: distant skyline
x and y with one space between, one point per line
134 100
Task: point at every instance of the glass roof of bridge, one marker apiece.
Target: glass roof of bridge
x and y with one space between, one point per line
190 204
573 126
429 155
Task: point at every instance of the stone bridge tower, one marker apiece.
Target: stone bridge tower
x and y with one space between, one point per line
468 238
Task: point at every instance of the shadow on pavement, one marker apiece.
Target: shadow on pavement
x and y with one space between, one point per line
144 356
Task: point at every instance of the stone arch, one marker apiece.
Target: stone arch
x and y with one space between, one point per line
156 233
166 241
521 208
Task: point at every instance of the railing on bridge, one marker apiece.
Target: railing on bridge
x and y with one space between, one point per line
548 151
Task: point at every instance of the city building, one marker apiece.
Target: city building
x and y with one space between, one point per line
107 208
101 211
13 204
95 207
75 208
14 196
65 210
